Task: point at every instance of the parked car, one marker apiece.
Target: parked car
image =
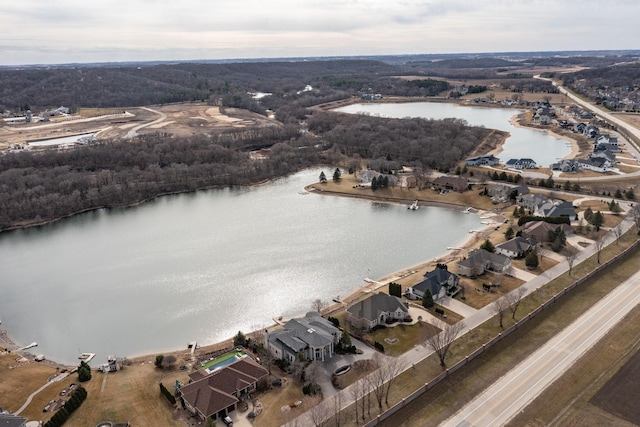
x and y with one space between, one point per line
227 421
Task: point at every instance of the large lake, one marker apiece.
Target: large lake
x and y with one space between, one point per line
523 142
203 266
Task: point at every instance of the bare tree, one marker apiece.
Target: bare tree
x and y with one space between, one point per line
318 305
441 342
542 251
635 215
377 379
515 298
598 241
393 368
499 307
337 406
317 411
618 233
355 394
570 255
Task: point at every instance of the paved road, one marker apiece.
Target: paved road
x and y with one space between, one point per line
514 391
133 132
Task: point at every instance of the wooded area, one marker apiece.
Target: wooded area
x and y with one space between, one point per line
37 187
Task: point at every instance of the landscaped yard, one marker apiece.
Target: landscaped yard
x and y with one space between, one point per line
477 297
402 338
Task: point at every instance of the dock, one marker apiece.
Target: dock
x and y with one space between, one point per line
87 357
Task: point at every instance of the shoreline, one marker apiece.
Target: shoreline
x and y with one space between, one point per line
375 284
515 122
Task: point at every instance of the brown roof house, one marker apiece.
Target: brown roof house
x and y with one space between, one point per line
480 260
539 230
376 310
450 183
216 394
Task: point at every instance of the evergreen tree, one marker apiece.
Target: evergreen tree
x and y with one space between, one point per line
337 175
374 184
588 214
629 194
323 177
488 246
597 220
531 260
509 233
427 299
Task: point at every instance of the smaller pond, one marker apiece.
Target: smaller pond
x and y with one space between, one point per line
530 143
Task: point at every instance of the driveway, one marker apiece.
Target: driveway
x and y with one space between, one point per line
330 366
457 306
521 274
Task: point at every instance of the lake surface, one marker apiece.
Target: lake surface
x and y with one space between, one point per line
203 266
523 142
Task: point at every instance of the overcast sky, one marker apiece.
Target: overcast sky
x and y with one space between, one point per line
63 31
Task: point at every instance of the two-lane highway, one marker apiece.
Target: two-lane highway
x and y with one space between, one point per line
514 391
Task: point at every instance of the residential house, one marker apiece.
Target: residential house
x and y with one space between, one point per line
488 160
480 260
554 209
438 282
311 336
521 164
9 420
566 165
531 201
376 310
591 131
450 183
367 176
597 164
217 394
605 154
518 247
539 230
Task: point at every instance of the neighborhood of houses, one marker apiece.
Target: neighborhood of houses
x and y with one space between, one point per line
220 392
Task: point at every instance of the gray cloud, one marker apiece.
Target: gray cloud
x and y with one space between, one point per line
201 29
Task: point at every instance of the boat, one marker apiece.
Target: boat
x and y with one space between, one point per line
414 206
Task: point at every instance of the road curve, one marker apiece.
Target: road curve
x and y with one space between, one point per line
133 132
514 391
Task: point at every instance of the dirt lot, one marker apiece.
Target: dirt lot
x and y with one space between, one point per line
620 394
181 120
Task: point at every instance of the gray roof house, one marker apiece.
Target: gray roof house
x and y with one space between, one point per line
312 336
517 247
489 160
480 260
597 164
376 310
531 201
437 281
9 420
558 208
